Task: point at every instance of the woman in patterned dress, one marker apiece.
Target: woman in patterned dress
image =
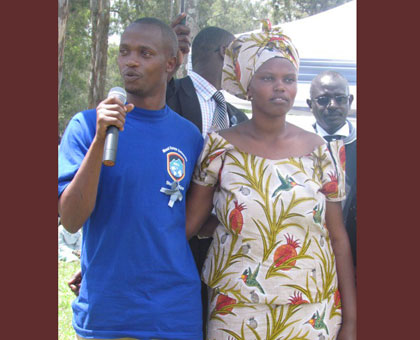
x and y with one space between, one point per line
279 266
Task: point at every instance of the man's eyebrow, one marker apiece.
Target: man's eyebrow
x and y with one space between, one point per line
148 47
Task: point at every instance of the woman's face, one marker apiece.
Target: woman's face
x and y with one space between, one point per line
273 87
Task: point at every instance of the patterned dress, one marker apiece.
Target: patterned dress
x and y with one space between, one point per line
271 269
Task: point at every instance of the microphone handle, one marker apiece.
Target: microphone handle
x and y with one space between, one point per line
110 147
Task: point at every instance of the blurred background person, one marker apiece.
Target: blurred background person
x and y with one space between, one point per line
330 104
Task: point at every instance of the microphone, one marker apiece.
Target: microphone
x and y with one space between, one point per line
111 139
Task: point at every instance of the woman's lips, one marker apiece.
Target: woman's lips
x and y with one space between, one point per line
279 100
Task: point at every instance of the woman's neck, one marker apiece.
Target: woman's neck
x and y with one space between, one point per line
263 128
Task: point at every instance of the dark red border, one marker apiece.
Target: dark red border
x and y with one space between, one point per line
388 222
29 169
388 203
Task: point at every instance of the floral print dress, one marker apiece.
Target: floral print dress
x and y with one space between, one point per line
270 268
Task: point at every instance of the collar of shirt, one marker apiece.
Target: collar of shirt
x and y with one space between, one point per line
343 131
202 86
205 92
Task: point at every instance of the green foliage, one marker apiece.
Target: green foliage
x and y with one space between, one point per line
236 16
65 298
73 95
123 12
113 77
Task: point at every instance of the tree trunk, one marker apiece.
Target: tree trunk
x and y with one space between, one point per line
192 10
63 13
100 27
171 11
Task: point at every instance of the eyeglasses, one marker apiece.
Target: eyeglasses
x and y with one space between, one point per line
326 100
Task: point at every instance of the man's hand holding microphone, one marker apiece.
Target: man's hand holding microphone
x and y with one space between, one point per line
110 119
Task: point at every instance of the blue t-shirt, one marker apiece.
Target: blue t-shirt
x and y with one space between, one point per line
139 278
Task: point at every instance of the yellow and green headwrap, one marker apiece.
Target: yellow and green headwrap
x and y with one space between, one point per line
249 51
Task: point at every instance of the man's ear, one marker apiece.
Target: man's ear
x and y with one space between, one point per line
309 102
171 65
222 51
351 97
179 60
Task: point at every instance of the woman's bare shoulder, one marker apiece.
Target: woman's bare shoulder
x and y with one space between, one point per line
234 134
310 139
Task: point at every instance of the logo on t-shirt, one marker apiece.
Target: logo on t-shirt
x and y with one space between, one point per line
175 166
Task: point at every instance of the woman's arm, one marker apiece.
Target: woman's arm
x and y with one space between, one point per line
199 204
209 226
345 270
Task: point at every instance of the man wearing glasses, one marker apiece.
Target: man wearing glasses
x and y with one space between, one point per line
330 104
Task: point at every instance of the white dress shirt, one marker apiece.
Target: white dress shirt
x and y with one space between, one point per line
343 131
205 92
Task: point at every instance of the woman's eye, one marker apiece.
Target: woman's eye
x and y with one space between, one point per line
290 80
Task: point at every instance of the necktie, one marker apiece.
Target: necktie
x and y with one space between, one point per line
330 138
220 117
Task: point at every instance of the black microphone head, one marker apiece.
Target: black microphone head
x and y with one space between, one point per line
119 93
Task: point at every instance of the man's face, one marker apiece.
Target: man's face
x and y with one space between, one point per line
143 60
330 102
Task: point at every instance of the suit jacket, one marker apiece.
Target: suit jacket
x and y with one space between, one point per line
350 205
182 98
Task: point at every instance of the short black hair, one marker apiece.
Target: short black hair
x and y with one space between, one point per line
333 74
208 40
170 41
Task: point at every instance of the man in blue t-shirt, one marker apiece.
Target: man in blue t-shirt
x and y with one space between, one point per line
139 277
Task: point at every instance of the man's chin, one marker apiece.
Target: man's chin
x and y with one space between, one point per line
333 126
134 91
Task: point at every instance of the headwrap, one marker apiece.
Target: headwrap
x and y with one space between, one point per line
249 51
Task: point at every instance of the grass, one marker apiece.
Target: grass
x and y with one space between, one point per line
65 298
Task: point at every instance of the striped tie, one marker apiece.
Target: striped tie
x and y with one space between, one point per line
220 120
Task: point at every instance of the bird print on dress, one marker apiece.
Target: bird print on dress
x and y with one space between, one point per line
277 249
286 183
317 213
250 278
317 321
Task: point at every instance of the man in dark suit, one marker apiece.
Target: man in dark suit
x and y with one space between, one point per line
193 98
330 104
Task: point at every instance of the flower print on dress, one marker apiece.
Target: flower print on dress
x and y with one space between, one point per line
236 220
330 189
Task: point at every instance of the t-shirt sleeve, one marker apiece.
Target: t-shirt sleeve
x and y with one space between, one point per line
332 171
210 161
74 145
